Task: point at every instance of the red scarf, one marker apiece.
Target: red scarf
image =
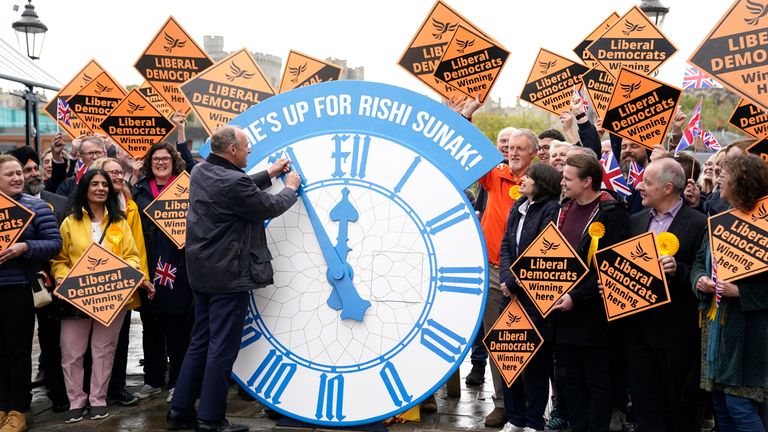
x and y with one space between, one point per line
155 190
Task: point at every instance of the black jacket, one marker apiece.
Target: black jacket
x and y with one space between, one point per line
539 214
60 205
226 241
586 324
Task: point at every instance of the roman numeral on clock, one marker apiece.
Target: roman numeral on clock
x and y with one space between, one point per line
330 398
447 219
442 341
394 385
462 280
356 158
273 376
250 333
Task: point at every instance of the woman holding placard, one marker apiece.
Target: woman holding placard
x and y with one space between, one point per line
19 262
94 217
526 399
734 364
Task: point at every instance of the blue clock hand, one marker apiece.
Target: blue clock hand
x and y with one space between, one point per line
344 212
354 306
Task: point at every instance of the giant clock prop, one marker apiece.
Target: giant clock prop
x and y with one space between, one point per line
380 267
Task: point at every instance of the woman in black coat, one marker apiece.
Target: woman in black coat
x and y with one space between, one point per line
526 399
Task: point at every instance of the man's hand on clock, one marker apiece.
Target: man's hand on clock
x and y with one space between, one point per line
280 166
292 180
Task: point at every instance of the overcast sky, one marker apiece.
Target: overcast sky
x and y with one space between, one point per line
366 33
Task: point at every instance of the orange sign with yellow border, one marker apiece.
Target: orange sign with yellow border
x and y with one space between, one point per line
155 99
760 148
550 84
739 242
76 127
471 63
750 118
735 52
512 342
581 48
100 284
631 275
229 87
425 50
169 210
302 70
135 124
172 58
599 85
548 269
14 219
641 108
634 43
93 103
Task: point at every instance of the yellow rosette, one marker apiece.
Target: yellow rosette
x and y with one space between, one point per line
668 243
596 231
115 237
514 192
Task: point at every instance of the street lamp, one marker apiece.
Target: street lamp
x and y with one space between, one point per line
654 10
32 29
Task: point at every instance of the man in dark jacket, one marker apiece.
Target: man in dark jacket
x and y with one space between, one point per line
227 256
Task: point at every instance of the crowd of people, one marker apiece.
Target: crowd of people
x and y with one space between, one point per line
672 364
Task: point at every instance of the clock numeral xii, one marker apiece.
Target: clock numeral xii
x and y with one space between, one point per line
354 159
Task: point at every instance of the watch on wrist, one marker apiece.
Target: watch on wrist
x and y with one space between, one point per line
581 116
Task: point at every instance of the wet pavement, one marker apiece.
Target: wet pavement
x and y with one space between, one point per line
466 412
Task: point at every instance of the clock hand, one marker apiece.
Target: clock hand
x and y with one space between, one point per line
354 306
344 212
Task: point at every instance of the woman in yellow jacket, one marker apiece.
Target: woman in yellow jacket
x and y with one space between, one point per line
117 392
95 217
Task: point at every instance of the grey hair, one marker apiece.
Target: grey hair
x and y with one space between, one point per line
671 172
583 150
532 138
99 141
223 138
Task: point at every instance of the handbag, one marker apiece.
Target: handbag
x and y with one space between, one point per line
40 294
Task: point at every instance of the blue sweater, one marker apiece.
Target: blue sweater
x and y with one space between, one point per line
43 238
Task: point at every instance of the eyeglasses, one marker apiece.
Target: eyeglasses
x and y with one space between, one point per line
94 154
116 173
163 159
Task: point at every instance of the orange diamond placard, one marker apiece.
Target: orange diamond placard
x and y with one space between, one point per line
169 210
631 275
735 51
739 242
550 84
634 43
155 99
172 58
512 341
76 127
581 48
641 108
425 50
548 269
14 219
302 70
760 148
93 103
135 124
100 284
599 85
750 118
226 89
471 63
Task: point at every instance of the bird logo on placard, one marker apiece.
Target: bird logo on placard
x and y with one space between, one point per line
180 190
463 45
442 28
172 42
548 246
101 88
237 72
629 28
761 214
546 66
296 71
512 319
639 253
133 107
87 78
95 262
629 88
755 8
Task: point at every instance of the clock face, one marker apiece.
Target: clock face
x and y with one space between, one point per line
380 273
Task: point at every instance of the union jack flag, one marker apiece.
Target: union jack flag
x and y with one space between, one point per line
635 174
613 179
692 131
165 274
694 78
80 169
62 111
710 141
577 94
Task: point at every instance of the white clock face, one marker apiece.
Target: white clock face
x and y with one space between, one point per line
412 250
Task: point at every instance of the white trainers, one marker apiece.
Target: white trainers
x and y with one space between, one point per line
146 391
509 427
170 396
530 429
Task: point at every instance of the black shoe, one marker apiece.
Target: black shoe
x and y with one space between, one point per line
272 414
476 375
178 419
123 397
220 426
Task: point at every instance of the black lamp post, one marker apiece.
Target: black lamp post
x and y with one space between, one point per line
33 31
654 10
